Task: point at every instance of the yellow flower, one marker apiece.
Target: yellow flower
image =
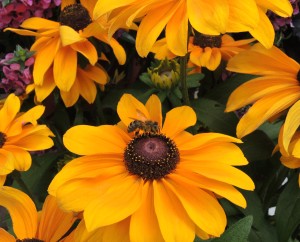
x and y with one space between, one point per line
84 85
141 175
20 133
273 92
207 17
57 43
50 224
289 139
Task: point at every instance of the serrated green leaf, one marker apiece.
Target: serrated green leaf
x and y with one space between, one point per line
287 213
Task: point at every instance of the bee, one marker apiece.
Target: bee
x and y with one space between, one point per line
142 124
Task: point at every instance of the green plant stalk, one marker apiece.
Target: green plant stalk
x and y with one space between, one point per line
183 74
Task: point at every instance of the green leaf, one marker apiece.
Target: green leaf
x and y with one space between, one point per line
212 115
288 209
238 232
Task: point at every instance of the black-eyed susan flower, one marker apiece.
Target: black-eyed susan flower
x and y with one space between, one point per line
85 85
211 18
49 224
143 173
273 92
289 139
206 50
57 43
19 134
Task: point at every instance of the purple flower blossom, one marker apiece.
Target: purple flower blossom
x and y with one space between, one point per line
16 11
15 71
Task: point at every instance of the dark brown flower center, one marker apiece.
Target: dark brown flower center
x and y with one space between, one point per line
298 76
75 16
2 139
151 156
203 40
29 240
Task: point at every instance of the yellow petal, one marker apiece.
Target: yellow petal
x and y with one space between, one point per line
43 91
222 189
144 219
5 236
87 88
6 163
65 59
95 73
129 109
226 153
9 111
54 222
103 7
22 211
168 208
198 140
243 15
264 31
38 23
44 59
87 49
211 58
291 124
290 162
31 116
261 61
266 108
70 97
153 106
220 172
174 124
151 27
102 211
214 16
251 91
22 160
86 167
23 32
89 140
69 36
178 26
2 180
282 8
202 208
65 3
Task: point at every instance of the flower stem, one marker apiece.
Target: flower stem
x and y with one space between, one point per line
183 74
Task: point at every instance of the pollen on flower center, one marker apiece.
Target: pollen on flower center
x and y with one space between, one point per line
2 139
75 16
29 240
207 40
151 156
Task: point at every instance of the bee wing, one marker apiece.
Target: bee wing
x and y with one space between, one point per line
140 115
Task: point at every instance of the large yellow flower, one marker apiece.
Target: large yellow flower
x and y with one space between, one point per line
20 133
48 225
274 91
57 43
207 17
84 85
158 179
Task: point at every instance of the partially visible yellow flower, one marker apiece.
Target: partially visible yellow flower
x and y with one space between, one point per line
207 17
289 139
143 173
273 92
85 85
208 51
20 133
48 225
57 43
